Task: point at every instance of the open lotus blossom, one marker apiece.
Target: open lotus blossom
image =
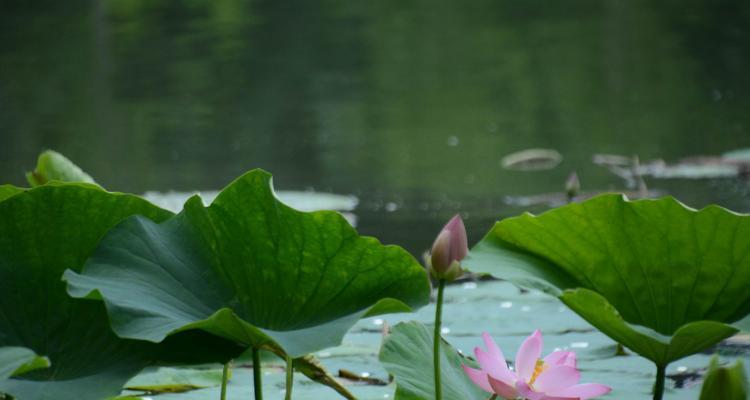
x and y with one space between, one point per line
554 377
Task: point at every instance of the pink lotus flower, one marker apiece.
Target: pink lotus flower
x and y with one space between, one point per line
554 377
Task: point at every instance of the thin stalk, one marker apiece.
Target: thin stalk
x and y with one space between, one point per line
436 348
257 383
224 379
661 375
289 377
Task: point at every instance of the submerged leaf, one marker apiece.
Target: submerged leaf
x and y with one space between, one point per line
250 269
407 355
658 277
53 166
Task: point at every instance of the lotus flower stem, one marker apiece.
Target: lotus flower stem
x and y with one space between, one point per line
436 348
257 383
224 379
289 377
660 378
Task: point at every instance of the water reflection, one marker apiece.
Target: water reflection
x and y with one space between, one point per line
408 106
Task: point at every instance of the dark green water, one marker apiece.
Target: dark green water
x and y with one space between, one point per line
409 103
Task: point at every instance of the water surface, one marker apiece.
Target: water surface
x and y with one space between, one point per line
408 105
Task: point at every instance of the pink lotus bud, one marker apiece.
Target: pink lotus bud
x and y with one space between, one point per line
449 248
572 186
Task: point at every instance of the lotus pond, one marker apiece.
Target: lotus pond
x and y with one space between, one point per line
139 301
379 121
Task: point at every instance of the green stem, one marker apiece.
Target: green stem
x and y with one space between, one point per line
661 375
257 383
436 348
289 377
224 379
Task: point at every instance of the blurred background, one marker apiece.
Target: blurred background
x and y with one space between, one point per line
411 106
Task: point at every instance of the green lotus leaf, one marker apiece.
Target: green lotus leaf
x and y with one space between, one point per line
53 166
175 380
7 191
43 232
407 355
19 360
250 269
725 383
662 279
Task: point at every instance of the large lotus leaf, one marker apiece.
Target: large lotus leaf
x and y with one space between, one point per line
19 360
250 269
661 278
7 191
53 166
407 355
43 232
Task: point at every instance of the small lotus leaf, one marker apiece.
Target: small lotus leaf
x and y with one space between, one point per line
53 166
407 355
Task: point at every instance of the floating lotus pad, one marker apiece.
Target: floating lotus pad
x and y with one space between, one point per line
248 268
660 278
300 200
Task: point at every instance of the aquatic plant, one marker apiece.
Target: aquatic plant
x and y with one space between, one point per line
664 280
150 287
19 360
43 232
53 166
725 383
444 264
250 269
407 354
555 376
